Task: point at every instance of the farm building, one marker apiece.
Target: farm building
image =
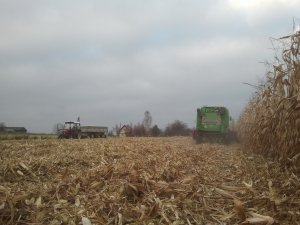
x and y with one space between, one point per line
13 129
123 131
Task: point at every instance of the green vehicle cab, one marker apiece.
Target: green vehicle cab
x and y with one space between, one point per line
212 124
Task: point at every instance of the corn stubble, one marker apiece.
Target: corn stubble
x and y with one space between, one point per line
141 181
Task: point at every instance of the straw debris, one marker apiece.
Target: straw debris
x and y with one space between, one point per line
142 181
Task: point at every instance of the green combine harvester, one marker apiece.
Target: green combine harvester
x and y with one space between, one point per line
213 125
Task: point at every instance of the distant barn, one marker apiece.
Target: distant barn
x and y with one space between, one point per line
13 129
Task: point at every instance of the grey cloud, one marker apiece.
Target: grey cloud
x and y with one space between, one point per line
109 61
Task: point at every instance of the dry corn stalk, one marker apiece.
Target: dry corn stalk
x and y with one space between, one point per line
270 124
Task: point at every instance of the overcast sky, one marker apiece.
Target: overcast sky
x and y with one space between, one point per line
109 61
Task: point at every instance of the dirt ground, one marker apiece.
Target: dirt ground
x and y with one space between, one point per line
142 181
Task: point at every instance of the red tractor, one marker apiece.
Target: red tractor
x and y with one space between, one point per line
75 130
70 130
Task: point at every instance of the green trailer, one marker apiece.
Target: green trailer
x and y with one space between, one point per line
213 124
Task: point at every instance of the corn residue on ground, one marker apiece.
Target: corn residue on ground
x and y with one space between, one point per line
142 181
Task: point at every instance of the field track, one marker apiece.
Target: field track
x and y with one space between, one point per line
141 181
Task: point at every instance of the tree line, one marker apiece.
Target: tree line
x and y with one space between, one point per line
176 128
144 129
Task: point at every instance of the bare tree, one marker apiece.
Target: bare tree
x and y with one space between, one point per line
139 130
147 121
177 128
155 131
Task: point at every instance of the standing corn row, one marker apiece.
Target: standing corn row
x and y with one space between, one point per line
270 124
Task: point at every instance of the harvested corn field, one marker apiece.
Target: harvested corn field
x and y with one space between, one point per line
142 181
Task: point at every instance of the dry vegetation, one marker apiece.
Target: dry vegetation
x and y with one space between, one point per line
270 124
166 180
141 181
21 136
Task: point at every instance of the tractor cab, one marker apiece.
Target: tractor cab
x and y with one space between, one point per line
72 125
70 130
